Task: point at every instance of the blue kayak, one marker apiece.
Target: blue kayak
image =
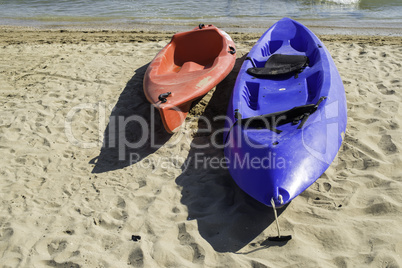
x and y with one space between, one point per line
286 116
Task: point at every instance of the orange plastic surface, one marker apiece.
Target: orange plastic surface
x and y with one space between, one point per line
188 67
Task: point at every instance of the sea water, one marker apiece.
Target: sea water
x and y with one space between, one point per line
241 15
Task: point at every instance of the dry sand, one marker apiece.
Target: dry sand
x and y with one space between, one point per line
68 201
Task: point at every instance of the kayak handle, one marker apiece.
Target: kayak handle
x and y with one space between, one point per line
232 50
201 25
163 97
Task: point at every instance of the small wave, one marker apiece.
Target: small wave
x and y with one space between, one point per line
344 2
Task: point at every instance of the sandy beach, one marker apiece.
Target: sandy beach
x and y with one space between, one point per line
75 192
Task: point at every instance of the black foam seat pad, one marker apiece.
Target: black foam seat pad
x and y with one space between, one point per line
280 64
272 120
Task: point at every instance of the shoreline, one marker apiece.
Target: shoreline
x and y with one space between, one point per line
11 35
368 27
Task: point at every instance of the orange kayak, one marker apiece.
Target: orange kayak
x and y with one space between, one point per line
187 68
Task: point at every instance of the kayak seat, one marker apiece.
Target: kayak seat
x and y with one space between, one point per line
272 120
280 64
191 66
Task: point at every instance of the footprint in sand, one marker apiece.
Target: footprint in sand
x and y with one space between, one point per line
53 263
384 90
6 233
327 186
56 247
186 239
387 146
136 258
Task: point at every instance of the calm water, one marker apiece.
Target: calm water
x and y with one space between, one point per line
234 14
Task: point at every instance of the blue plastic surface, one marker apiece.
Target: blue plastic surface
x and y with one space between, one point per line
267 165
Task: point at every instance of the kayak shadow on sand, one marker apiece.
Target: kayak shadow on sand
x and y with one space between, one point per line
228 219
134 131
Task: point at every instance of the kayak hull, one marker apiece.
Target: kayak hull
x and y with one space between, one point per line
278 161
190 65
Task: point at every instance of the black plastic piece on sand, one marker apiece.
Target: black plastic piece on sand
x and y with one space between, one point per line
135 238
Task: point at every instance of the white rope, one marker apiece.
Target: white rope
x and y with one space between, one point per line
276 216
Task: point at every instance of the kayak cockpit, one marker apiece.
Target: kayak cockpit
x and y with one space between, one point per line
283 80
191 51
